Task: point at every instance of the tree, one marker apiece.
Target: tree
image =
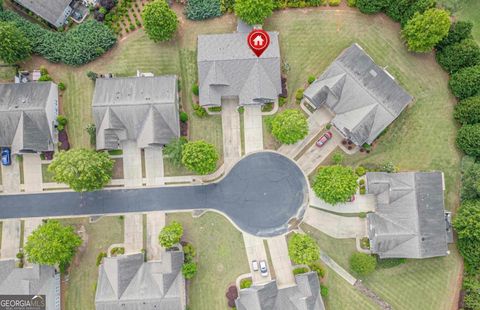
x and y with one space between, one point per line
372 6
466 82
335 184
159 20
92 75
471 288
171 235
15 46
459 55
83 170
467 111
468 139
402 10
362 264
173 150
200 156
470 181
425 30
458 31
189 270
253 11
52 244
303 249
467 225
202 9
289 126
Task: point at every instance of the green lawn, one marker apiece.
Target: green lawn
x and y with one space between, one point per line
82 279
465 10
221 258
417 284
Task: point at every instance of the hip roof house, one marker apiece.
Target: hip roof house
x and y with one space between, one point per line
55 12
142 109
364 98
227 68
410 220
35 280
303 296
127 282
28 112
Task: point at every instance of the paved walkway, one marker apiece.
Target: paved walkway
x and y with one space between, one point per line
336 226
253 128
281 261
132 164
155 223
154 165
337 268
232 148
10 239
256 251
32 172
362 203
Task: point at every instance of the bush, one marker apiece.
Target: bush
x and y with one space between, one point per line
253 11
245 283
337 158
311 79
299 94
200 157
371 6
45 78
403 10
215 109
20 255
470 179
323 291
318 268
300 270
289 126
202 9
62 120
183 117
281 101
159 20
360 171
199 110
171 234
471 288
467 111
189 270
352 3
334 2
335 184
467 225
328 126
458 31
363 190
61 86
189 252
92 132
195 89
100 257
466 82
92 75
468 139
117 251
362 215
303 249
386 263
361 182
388 167
362 264
459 55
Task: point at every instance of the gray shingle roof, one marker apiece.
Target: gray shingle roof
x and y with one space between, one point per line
26 115
304 296
35 280
409 220
50 10
144 109
127 282
364 98
228 68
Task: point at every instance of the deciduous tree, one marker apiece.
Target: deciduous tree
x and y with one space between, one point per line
468 139
467 226
460 55
171 235
200 156
15 46
335 184
303 249
466 82
159 20
289 126
253 11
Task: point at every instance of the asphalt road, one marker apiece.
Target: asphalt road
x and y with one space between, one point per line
261 194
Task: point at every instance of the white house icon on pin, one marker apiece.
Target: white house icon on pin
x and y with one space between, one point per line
258 41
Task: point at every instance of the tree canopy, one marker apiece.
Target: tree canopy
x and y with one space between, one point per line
468 139
159 20
253 11
466 82
174 149
371 6
402 10
425 30
335 184
15 47
83 170
289 126
467 226
362 264
303 249
467 111
470 179
171 235
200 156
202 9
460 55
52 244
458 31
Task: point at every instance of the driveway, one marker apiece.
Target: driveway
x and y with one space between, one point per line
231 132
154 165
362 203
132 164
155 223
133 233
253 128
281 261
336 226
10 239
255 249
261 194
11 176
32 173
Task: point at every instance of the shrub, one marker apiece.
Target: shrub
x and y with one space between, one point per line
45 78
215 109
300 270
471 288
468 139
62 120
183 117
458 31
159 20
323 291
426 30
334 2
360 171
459 55
363 190
386 263
100 257
402 10
470 179
299 94
195 89
253 11
371 6
117 251
170 234
361 182
352 3
289 126
337 158
174 149
311 79
467 111
61 86
335 184
362 264
281 101
362 215
303 249
245 283
388 167
189 252
467 225
318 268
189 270
20 255
18 47
200 156
92 132
202 9
92 75
466 82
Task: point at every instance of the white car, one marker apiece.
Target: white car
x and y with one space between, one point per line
263 268
255 265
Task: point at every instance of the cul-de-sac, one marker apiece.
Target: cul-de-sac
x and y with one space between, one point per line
240 154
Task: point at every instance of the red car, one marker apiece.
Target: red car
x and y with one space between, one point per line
324 139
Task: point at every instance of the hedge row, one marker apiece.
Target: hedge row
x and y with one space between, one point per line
78 46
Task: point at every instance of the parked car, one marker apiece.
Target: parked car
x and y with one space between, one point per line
263 268
6 157
255 265
352 199
324 139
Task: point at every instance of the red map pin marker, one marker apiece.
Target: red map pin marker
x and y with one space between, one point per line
258 41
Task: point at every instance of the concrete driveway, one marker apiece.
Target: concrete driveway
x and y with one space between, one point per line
281 261
255 249
336 226
253 128
362 203
231 132
32 172
132 164
155 223
154 165
11 177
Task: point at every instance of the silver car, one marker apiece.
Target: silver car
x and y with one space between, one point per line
263 268
255 265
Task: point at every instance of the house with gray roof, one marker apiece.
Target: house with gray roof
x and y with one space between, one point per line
144 109
410 219
34 280
55 12
128 282
303 296
364 97
28 113
227 69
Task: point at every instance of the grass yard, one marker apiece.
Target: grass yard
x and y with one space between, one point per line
417 284
221 258
465 10
82 279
